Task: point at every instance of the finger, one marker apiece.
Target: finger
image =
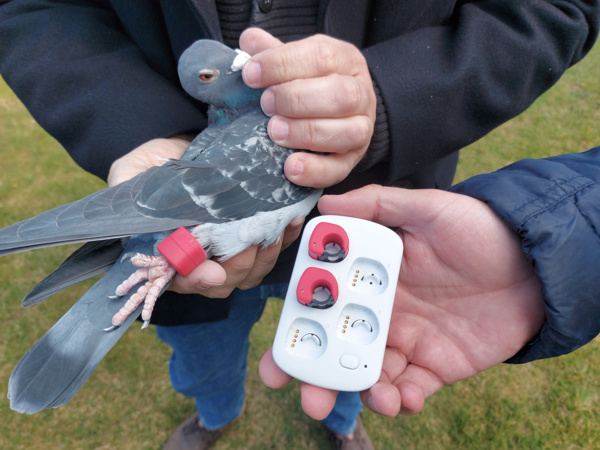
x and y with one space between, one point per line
331 96
389 206
389 400
383 398
266 258
402 387
207 275
292 232
319 171
270 373
351 134
415 384
312 57
255 40
317 402
237 269
149 154
263 264
118 176
413 398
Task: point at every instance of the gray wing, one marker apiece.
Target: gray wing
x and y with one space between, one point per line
200 142
235 176
107 214
89 260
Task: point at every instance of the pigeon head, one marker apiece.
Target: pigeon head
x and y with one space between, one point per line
211 72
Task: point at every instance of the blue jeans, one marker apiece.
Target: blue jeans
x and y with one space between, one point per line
208 363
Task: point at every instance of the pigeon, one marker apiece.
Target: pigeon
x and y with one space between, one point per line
227 191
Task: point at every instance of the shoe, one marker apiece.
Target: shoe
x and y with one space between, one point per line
359 440
190 435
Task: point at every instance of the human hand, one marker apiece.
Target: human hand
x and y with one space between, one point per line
319 96
150 154
211 278
243 271
467 297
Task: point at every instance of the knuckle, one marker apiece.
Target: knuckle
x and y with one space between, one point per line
289 99
363 130
249 284
284 66
217 292
278 64
312 133
325 54
349 94
298 103
238 266
325 175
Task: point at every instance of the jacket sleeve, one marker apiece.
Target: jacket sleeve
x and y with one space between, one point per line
553 204
446 85
85 81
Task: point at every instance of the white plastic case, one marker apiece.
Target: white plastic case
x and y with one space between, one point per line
335 319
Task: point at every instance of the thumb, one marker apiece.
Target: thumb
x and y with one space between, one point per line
270 373
388 206
255 40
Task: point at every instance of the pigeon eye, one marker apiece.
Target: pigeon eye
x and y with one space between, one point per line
208 75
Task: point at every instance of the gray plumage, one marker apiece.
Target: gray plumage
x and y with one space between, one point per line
228 189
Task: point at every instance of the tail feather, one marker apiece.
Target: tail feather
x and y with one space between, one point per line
89 260
57 366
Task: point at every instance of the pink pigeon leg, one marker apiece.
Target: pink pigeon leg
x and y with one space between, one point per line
158 272
131 305
135 278
158 284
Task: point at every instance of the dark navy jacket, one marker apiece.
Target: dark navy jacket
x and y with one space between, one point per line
100 76
553 205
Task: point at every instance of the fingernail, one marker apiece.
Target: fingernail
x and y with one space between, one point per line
296 169
297 222
267 103
371 404
252 74
279 129
205 285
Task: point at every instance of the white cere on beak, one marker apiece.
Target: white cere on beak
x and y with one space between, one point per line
239 61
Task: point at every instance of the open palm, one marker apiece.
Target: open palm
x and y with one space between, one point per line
467 298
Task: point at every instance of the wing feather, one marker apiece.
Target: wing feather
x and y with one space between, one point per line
233 177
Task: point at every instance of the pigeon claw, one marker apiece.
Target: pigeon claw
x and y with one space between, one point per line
158 273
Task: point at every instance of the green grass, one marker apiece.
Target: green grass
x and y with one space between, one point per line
128 402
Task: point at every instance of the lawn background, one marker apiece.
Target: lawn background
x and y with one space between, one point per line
128 403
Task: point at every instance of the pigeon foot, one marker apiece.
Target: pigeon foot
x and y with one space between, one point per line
158 273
